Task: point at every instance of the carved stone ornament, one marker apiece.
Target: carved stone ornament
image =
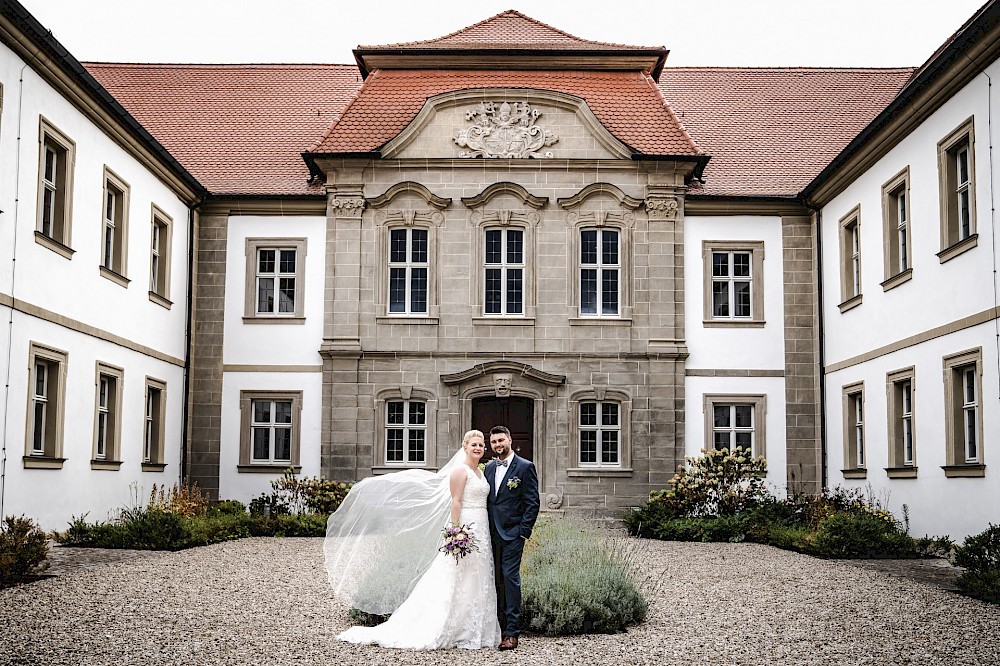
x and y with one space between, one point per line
504 131
409 217
600 218
504 217
553 501
347 206
501 384
661 208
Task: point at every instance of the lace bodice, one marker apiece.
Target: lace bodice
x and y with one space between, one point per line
477 489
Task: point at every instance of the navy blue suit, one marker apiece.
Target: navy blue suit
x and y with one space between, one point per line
512 512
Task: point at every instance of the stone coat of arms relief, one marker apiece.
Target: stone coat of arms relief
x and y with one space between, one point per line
504 130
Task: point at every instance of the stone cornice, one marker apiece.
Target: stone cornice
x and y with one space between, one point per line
491 367
624 200
497 189
252 206
722 206
409 186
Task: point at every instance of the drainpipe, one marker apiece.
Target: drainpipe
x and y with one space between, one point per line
993 219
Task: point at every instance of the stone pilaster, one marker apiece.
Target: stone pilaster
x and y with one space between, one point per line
802 402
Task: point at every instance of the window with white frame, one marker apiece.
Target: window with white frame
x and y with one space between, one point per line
114 238
107 417
269 431
600 434
41 411
956 174
900 386
896 228
55 184
504 272
734 292
850 254
735 421
600 268
159 257
408 271
855 452
46 404
275 280
405 432
963 414
153 423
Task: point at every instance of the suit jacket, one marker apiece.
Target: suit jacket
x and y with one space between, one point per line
513 511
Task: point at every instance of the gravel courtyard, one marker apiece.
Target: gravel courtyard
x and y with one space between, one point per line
266 601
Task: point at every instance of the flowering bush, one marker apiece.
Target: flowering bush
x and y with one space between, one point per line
182 500
716 483
292 495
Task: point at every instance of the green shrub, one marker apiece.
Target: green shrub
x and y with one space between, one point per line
229 507
716 483
980 555
933 546
23 550
576 581
292 495
860 535
361 618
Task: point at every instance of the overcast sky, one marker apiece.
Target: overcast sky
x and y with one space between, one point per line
864 33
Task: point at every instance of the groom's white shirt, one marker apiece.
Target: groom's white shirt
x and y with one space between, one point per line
501 473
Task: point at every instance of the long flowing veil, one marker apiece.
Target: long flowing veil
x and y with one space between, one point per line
385 535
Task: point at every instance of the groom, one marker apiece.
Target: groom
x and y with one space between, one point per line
513 507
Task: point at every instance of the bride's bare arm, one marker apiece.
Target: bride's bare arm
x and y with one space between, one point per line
458 479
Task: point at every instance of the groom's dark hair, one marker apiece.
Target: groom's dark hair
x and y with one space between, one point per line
496 430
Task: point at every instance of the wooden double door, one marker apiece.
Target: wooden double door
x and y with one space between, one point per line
517 413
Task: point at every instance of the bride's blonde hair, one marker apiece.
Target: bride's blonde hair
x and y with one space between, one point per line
472 433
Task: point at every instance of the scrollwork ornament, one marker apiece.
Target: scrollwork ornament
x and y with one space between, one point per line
348 206
504 130
661 208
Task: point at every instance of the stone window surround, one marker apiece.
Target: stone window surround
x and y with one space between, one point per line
404 393
602 394
756 249
113 181
847 223
480 226
52 459
759 403
946 148
49 133
897 468
112 459
898 184
156 458
246 413
955 465
250 314
159 217
852 470
385 224
577 224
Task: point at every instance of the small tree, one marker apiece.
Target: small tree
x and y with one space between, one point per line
716 483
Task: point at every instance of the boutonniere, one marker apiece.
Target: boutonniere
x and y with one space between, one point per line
482 467
513 483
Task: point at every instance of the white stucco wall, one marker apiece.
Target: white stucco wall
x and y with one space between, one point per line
938 295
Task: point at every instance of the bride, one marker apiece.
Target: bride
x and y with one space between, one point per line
382 556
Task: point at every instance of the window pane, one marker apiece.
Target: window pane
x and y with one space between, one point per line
397 245
515 247
262 443
265 262
588 446
721 416
742 296
588 247
744 440
397 290
720 299
418 252
418 290
38 434
288 261
261 411
50 165
514 294
971 434
609 292
741 264
493 290
394 445
494 247
286 295
394 413
609 447
416 452
265 295
41 375
609 414
283 444
970 386
962 158
283 411
720 264
588 413
721 440
610 247
744 416
588 291
418 413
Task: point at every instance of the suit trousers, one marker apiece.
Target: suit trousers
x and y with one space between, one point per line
507 565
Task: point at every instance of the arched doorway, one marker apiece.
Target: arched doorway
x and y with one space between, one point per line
517 413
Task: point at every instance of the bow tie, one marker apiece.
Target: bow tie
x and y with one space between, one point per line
502 463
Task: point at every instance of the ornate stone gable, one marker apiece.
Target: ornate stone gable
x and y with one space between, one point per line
504 130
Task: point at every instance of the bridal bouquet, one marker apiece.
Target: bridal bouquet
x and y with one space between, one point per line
459 541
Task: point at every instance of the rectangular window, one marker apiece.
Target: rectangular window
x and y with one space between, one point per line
735 421
734 292
600 434
159 258
956 175
970 414
850 253
855 450
107 417
55 188
896 223
154 416
114 235
504 272
46 404
408 271
963 414
405 432
600 267
275 279
900 387
271 431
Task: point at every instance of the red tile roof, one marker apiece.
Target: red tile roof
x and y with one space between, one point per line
770 131
239 129
628 104
509 29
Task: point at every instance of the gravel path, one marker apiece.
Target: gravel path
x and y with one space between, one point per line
266 601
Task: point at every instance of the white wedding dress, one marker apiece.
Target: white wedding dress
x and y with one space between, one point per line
453 604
